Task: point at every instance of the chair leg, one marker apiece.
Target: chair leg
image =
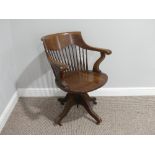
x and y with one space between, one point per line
64 113
80 98
89 109
92 99
62 100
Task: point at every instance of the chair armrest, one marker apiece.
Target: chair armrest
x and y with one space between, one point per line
58 68
102 50
58 64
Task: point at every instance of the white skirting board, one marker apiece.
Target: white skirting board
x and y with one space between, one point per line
45 92
7 111
134 91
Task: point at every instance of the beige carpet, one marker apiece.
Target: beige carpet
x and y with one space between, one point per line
121 115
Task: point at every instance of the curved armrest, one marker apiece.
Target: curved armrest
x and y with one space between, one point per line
58 67
102 50
58 64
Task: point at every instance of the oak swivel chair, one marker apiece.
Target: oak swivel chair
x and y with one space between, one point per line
68 56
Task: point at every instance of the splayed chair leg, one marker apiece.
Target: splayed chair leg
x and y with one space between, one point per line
92 99
80 98
64 113
62 100
86 104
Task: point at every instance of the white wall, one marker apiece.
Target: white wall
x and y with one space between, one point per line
7 64
132 63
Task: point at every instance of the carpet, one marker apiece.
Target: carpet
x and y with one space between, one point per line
120 115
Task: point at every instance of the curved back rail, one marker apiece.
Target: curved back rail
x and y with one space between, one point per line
70 49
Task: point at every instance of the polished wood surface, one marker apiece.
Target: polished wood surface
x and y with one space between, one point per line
68 55
82 82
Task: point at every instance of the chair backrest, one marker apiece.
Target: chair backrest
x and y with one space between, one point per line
68 48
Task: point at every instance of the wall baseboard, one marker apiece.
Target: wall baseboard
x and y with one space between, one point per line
132 91
7 111
40 92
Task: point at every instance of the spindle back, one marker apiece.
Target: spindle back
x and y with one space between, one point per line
68 48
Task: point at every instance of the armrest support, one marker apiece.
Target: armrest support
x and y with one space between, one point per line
103 52
98 62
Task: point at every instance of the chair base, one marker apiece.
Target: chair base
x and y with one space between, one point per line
81 98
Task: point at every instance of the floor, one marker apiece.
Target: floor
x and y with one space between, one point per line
121 115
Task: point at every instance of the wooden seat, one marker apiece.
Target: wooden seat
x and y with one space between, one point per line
68 56
82 82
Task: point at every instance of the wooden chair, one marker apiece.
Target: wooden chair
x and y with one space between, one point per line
68 56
